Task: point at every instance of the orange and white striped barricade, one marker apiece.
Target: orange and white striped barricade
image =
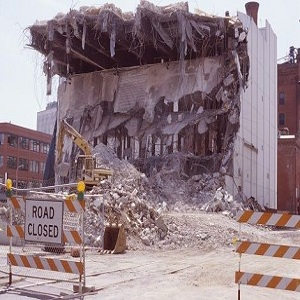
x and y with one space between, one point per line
274 282
45 263
268 219
17 231
16 203
265 249
67 236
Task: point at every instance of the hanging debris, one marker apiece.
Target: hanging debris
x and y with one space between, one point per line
156 86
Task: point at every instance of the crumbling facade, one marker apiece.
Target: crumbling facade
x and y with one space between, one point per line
163 81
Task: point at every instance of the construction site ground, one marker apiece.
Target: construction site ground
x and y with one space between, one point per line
204 268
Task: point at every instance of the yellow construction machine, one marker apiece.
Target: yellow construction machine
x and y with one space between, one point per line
86 165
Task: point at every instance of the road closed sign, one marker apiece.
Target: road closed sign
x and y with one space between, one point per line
44 221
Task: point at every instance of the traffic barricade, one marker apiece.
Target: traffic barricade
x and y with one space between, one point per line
265 249
50 227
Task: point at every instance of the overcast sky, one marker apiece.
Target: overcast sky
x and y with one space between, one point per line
23 85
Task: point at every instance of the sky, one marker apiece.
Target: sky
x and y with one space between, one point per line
23 84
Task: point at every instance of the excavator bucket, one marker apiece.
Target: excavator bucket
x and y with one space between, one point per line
114 240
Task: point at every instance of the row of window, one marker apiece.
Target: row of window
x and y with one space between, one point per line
25 143
23 164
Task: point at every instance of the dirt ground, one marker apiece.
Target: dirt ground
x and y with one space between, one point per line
201 265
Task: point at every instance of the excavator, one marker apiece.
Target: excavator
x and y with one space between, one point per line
114 239
86 165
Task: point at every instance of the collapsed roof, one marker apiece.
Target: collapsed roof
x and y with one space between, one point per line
155 82
94 39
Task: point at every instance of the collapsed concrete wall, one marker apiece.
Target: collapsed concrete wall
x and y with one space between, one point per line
151 84
159 109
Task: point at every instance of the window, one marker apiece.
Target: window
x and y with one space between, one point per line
1 161
12 140
281 119
34 166
45 148
23 143
281 98
23 164
1 138
34 145
11 162
42 167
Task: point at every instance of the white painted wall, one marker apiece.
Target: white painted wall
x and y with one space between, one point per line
255 157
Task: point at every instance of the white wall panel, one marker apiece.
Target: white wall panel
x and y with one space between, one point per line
256 144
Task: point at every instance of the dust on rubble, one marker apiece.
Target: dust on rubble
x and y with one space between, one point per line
162 210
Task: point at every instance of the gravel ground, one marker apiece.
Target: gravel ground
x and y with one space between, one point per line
196 260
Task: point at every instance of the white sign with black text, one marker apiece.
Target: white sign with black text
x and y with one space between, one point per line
43 221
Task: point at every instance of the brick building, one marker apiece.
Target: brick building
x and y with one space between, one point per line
23 154
288 190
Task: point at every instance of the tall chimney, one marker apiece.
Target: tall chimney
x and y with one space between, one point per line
252 10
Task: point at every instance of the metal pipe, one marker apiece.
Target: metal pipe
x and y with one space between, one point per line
17 171
10 249
240 258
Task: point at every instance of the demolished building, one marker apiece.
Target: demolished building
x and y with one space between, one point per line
165 81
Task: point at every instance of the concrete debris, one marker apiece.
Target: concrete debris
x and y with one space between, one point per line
252 204
144 204
147 206
152 209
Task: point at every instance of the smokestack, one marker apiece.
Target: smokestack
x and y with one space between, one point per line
252 10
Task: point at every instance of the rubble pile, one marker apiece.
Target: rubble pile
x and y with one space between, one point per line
156 211
144 204
223 202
